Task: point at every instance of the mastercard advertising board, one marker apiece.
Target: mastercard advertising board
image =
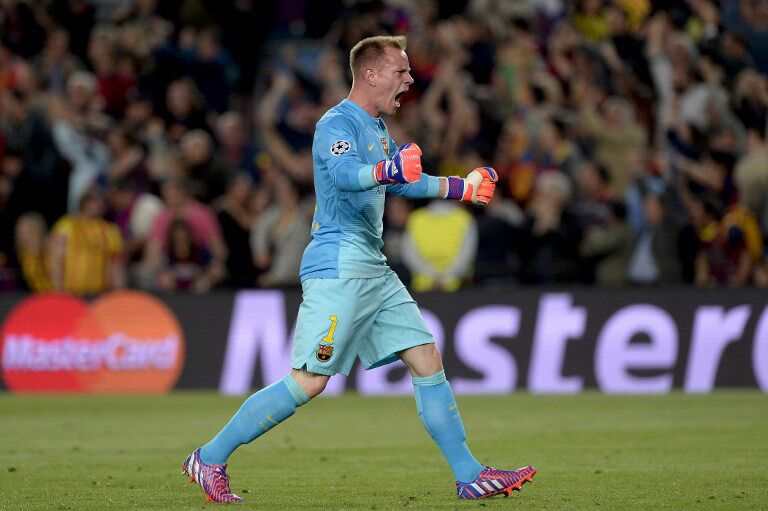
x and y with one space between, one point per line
122 342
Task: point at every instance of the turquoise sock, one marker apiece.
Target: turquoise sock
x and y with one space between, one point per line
259 413
440 415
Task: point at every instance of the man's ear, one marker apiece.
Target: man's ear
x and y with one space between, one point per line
370 76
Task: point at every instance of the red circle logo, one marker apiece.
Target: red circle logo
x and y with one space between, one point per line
126 341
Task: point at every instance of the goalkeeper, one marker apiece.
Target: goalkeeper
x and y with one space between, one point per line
354 306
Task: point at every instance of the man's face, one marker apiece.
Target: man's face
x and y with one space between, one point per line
119 199
195 148
393 78
93 207
654 212
173 195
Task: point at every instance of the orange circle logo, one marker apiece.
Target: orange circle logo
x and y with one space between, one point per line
125 341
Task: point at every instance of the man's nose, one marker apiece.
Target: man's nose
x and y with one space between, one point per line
409 79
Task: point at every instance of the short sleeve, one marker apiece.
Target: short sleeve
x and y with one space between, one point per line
115 240
62 227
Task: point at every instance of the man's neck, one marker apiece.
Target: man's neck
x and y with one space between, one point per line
359 98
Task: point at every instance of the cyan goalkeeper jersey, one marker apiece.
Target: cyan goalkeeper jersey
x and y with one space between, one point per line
347 224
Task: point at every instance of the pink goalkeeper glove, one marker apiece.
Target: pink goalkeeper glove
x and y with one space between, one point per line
476 188
404 167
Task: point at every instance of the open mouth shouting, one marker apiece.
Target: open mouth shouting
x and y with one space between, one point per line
398 96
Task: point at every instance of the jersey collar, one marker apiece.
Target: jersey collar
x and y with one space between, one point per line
361 114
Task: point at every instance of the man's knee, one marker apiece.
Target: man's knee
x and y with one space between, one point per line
311 383
423 360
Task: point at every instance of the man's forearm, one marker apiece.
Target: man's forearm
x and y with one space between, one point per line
428 187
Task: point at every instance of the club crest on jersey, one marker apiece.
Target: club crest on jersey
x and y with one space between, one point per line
340 147
385 146
324 353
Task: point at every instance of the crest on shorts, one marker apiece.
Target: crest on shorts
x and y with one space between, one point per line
324 353
385 146
340 147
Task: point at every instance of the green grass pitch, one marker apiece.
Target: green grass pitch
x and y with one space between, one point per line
592 451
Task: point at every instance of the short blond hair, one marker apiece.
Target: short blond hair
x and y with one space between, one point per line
371 49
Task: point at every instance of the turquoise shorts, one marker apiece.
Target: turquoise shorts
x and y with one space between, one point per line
343 319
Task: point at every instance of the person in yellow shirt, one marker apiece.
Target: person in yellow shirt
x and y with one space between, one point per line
439 246
589 20
86 250
31 251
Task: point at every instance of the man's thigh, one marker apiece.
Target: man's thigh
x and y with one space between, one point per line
397 327
335 318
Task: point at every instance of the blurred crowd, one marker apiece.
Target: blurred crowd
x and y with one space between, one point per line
167 145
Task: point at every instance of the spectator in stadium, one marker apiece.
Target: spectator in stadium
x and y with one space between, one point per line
280 235
616 136
32 252
751 176
589 19
594 194
654 257
549 239
742 218
751 19
202 167
514 162
134 212
288 139
78 19
148 129
21 28
115 75
236 222
724 258
498 260
39 180
212 69
77 127
184 109
556 150
199 55
201 220
86 250
608 246
128 159
187 265
56 63
439 246
731 246
732 53
237 150
750 99
712 175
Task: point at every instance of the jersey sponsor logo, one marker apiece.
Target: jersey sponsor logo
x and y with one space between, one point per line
124 341
340 147
324 353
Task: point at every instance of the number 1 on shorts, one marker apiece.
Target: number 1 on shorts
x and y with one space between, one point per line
329 337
